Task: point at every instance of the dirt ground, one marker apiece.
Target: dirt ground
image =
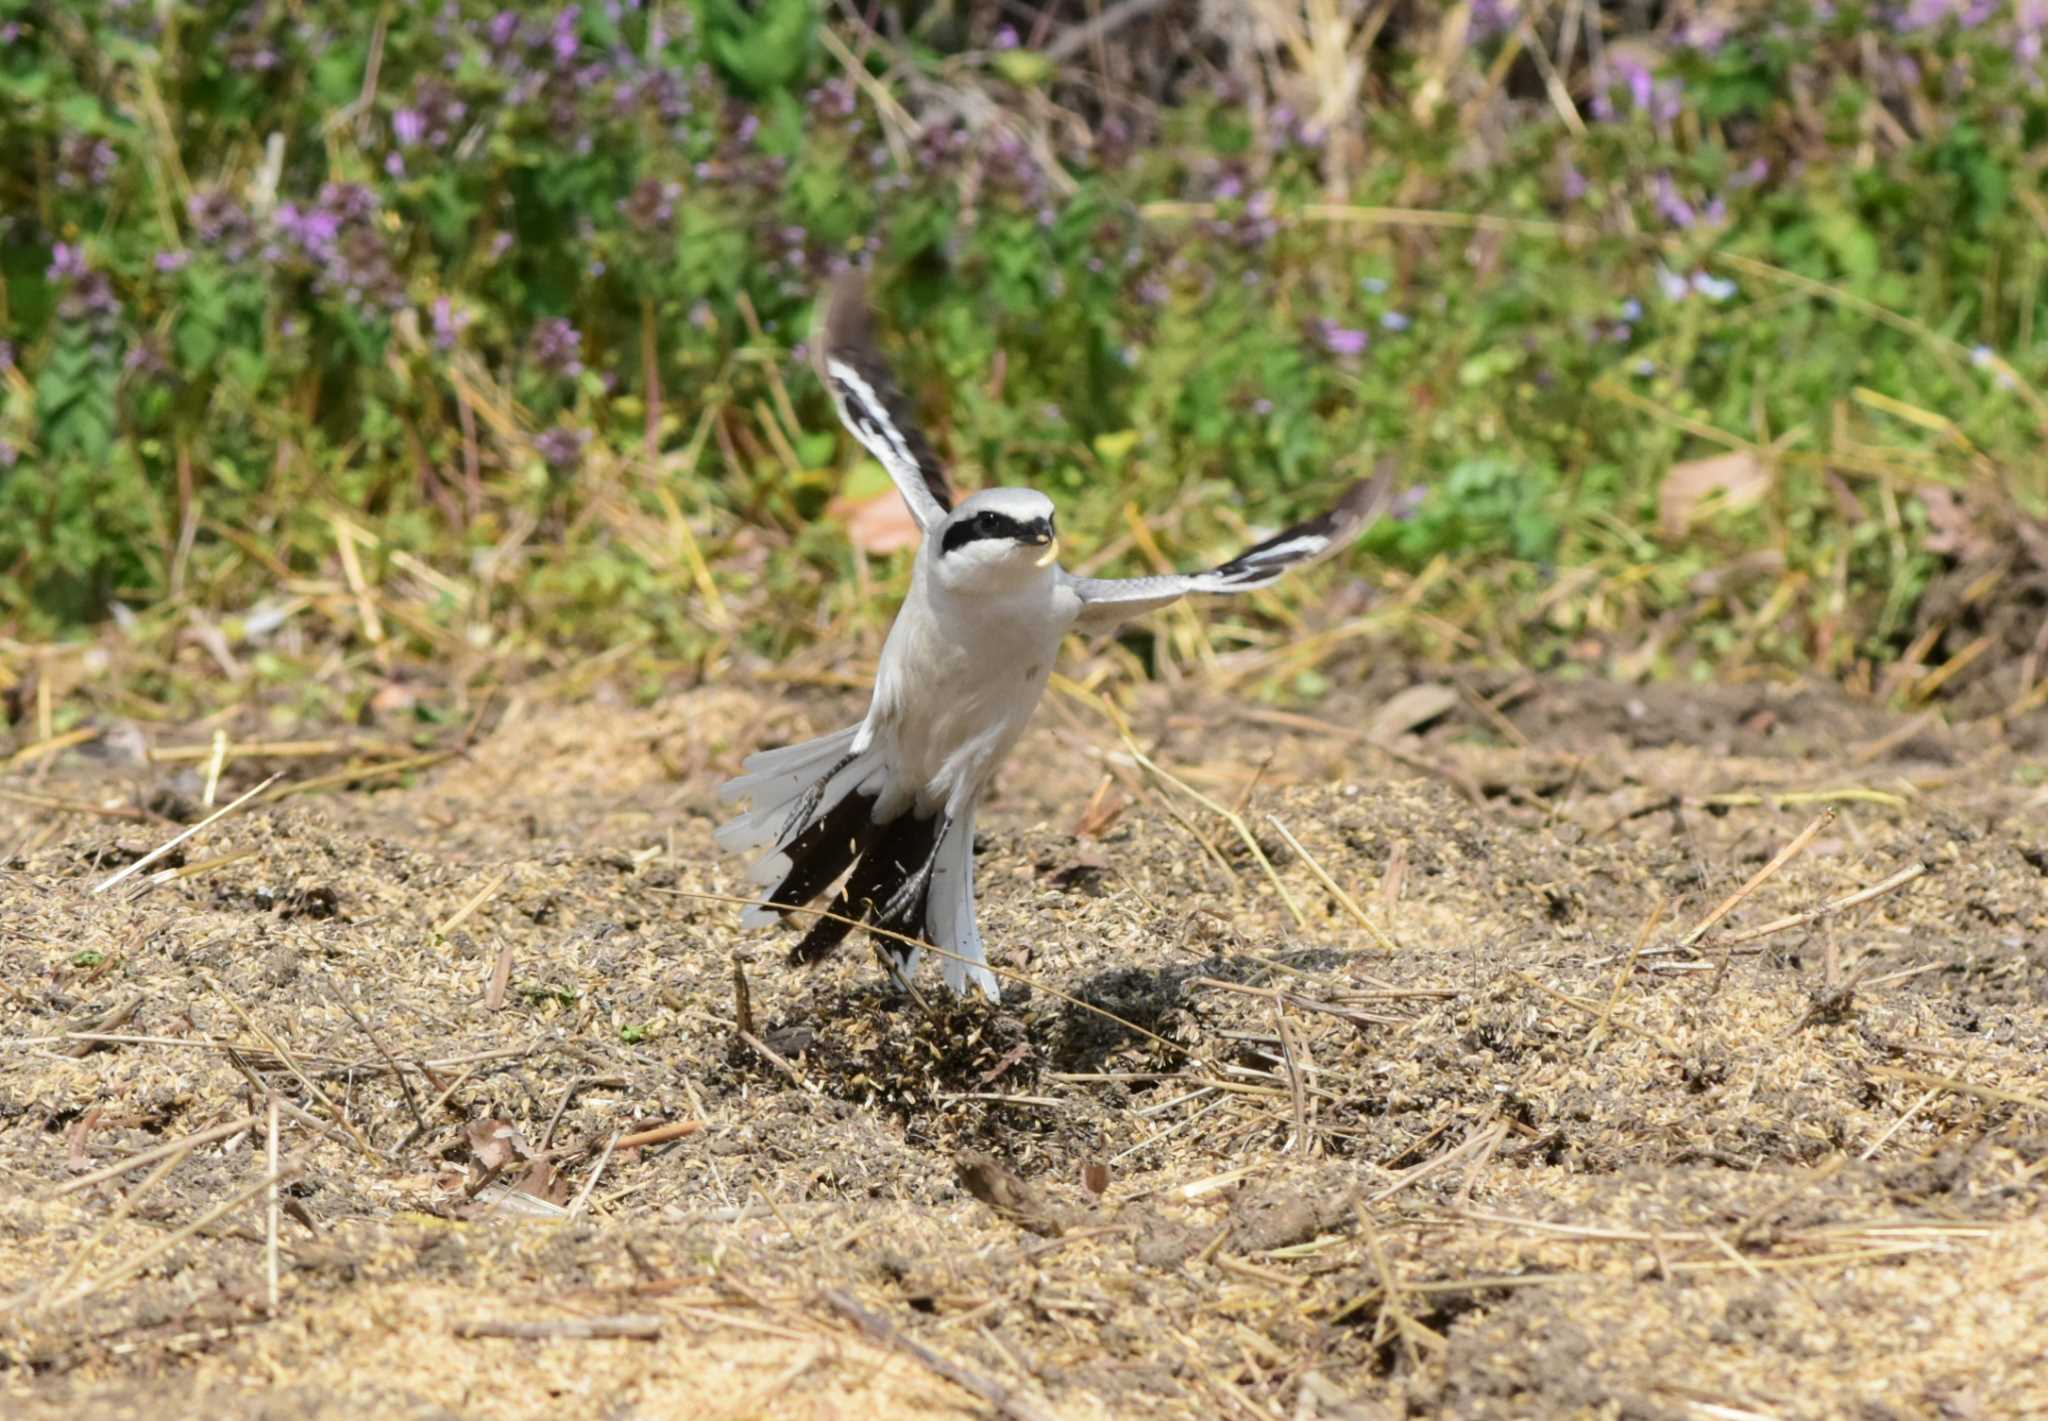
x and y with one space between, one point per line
1527 1145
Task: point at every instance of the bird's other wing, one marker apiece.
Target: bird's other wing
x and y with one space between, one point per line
872 405
1106 602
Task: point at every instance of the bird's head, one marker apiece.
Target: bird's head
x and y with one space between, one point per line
997 538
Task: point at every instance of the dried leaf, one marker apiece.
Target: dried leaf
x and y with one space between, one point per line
1009 1194
878 524
1951 528
75 1158
1411 710
544 1181
1088 862
1739 477
1020 1052
496 1143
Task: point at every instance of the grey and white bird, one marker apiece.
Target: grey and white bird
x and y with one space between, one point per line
889 803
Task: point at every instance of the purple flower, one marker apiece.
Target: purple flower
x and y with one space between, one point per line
1574 184
88 295
1377 285
431 118
85 162
1660 99
1491 18
1631 309
1705 32
222 223
561 448
145 362
350 202
1342 340
1228 188
500 244
502 29
1641 85
6 355
449 322
340 239
1922 14
1408 502
562 37
1674 286
1669 100
173 261
1394 321
557 347
1006 38
749 126
394 164
1673 208
314 228
833 99
250 46
652 205
2031 17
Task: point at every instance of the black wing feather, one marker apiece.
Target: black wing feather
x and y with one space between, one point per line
870 402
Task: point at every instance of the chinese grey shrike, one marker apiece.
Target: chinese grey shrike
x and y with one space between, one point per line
889 803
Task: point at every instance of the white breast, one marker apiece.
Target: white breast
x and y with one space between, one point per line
959 679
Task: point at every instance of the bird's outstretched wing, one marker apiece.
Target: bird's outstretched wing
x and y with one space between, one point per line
1106 602
871 404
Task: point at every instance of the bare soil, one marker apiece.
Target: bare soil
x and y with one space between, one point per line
1522 1149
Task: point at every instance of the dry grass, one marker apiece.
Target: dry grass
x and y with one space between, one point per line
1439 1100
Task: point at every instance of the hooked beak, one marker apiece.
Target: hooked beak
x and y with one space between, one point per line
1052 550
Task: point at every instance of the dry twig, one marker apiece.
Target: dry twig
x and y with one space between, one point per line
1003 1398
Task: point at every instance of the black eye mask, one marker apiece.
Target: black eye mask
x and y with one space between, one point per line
990 524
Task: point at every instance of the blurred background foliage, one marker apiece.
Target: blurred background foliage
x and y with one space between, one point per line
468 337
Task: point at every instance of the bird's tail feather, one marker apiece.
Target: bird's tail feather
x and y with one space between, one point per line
889 887
951 913
777 781
813 812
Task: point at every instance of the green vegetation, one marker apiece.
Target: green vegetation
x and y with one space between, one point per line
470 338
